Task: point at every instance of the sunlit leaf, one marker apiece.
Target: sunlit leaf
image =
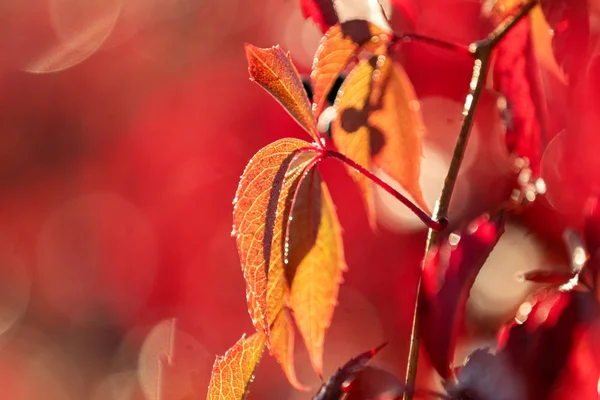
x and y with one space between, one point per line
337 49
448 275
282 347
262 206
379 124
273 70
315 263
233 372
334 388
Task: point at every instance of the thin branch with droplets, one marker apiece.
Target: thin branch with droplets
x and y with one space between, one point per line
482 51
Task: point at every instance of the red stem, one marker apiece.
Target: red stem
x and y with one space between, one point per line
422 215
456 47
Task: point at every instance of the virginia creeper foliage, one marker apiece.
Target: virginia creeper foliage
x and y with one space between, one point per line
289 238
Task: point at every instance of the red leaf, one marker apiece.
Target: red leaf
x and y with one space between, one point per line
540 347
488 376
591 227
448 275
333 389
526 73
569 20
375 383
320 11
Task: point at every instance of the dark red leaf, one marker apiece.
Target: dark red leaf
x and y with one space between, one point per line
335 387
375 383
518 82
569 20
591 227
320 11
550 277
540 347
570 278
487 376
448 275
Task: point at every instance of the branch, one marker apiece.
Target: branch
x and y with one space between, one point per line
482 51
434 225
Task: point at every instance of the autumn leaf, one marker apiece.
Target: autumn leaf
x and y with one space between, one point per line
282 347
315 263
333 389
273 70
570 24
285 223
539 347
565 280
448 275
378 123
525 71
487 376
321 12
338 47
233 372
262 205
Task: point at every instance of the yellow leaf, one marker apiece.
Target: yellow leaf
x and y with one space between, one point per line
262 206
336 50
233 372
399 120
282 347
315 263
378 123
272 69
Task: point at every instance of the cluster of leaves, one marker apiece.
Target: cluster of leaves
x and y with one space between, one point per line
289 238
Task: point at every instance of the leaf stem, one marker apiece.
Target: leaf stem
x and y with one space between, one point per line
433 225
408 37
482 51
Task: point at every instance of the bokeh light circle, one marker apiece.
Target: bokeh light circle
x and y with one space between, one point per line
96 253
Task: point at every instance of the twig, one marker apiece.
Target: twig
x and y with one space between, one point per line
482 51
432 224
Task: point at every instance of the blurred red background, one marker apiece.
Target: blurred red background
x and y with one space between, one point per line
124 128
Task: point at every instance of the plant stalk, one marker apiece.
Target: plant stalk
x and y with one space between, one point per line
482 51
432 224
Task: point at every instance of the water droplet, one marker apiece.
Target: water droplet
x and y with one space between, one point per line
453 239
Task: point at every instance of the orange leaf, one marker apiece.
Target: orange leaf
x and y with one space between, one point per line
233 372
400 122
262 206
378 123
273 70
337 49
316 261
282 347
